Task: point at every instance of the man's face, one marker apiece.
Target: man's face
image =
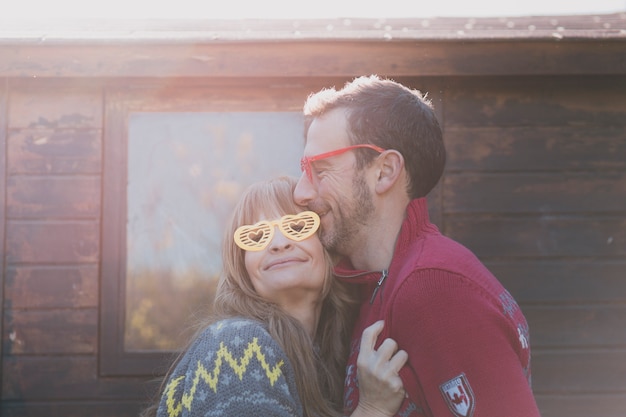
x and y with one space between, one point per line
336 190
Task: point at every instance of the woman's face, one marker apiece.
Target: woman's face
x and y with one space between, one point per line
288 272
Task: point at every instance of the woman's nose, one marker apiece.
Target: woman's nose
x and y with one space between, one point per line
280 241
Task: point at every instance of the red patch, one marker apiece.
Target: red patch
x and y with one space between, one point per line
458 394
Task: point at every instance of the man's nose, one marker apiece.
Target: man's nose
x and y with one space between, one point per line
304 191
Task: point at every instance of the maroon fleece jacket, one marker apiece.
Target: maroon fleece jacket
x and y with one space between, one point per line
466 337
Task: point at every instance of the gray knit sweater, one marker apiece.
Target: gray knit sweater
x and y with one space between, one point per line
234 368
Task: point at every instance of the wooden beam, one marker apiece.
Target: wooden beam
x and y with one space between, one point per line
323 58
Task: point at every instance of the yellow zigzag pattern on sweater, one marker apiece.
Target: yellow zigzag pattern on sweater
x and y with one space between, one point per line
211 379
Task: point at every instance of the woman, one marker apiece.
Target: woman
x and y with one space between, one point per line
278 341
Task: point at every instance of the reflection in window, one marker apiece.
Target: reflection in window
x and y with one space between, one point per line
185 173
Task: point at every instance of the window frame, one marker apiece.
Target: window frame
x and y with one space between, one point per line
120 102
3 207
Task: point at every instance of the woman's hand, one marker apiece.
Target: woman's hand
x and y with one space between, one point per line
380 388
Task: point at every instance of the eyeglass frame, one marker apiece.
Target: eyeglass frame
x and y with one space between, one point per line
305 161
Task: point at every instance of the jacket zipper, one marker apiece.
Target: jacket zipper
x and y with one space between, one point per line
378 285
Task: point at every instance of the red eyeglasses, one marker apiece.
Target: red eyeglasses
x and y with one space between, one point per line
305 162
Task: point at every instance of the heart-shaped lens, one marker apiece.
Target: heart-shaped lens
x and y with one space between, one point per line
297 226
300 226
255 237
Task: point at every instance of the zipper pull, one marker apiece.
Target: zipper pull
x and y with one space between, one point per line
378 285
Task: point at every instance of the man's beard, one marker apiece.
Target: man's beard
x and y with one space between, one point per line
349 219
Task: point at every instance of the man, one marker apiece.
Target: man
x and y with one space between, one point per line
373 151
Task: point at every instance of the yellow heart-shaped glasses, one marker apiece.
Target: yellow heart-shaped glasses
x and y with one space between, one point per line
295 226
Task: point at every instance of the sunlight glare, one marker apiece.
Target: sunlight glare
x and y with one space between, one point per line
268 9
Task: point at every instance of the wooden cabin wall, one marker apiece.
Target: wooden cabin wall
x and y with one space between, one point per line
53 209
535 185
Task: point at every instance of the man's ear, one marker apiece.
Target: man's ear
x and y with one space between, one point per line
390 169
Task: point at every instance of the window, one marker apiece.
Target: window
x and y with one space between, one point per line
175 163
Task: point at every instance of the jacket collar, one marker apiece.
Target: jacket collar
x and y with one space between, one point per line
416 221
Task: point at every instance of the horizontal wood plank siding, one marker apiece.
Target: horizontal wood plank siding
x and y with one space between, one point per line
323 58
579 371
535 185
577 326
72 408
50 332
563 281
39 197
606 405
41 242
519 193
70 105
570 103
52 218
50 151
67 377
536 148
51 286
541 236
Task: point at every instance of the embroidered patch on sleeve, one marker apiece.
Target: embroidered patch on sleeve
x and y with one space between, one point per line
458 394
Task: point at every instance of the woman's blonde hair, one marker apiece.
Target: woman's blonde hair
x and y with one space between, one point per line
322 359
236 297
